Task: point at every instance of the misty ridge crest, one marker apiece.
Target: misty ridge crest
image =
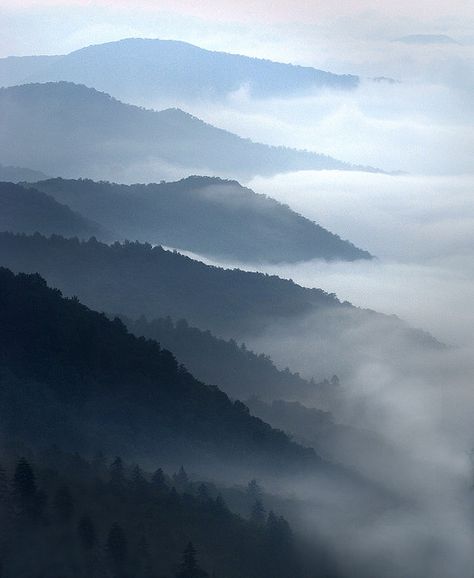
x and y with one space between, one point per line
208 216
30 211
74 131
116 349
137 69
230 302
92 366
20 174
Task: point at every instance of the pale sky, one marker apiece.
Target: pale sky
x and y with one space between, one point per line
251 26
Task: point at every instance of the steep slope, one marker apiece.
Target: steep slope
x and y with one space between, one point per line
72 377
17 174
208 216
239 371
80 506
70 130
137 279
138 70
30 211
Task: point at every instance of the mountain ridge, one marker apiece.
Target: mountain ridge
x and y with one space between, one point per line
71 130
206 215
138 69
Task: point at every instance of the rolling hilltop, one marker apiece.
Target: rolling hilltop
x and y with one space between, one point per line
27 210
208 216
74 131
141 70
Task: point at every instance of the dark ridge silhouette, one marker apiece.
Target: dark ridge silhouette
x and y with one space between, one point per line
71 130
112 517
30 211
137 279
208 216
70 376
139 70
18 174
102 517
239 371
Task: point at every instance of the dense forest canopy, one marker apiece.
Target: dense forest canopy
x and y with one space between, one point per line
238 370
104 517
96 381
205 215
136 279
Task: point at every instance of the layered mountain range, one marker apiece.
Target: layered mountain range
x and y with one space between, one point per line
69 130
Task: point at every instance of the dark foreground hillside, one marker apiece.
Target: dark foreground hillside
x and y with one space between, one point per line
64 517
135 279
209 216
70 374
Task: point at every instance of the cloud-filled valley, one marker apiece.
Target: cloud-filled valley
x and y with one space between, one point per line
359 369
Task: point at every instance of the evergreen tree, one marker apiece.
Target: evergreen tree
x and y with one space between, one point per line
87 533
203 493
254 491
24 482
257 514
64 504
158 480
99 464
144 558
138 481
28 499
116 546
3 485
181 480
117 475
189 566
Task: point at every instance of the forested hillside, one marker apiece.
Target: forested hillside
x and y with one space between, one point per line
74 131
69 374
91 519
209 216
27 210
135 279
238 370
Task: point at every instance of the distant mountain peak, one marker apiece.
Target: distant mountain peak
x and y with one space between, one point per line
427 39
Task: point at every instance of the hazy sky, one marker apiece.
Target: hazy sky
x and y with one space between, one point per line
255 27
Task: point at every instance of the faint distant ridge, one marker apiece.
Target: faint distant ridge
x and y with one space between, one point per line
27 210
209 216
137 70
68 129
17 174
426 39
